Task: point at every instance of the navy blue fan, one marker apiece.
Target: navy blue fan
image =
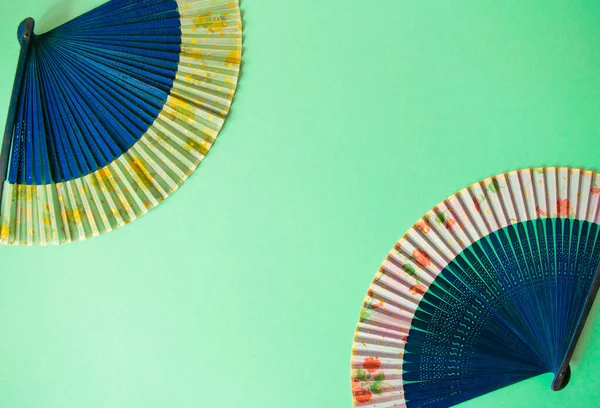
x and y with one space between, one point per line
491 287
111 112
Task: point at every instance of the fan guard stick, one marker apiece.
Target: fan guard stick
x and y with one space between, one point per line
561 379
24 34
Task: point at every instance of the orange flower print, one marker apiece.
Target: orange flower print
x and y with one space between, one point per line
418 289
371 364
445 220
562 206
421 257
423 226
595 190
450 222
361 394
540 211
367 381
405 339
373 303
476 204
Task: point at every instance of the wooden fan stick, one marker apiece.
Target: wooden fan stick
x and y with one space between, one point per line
564 374
25 33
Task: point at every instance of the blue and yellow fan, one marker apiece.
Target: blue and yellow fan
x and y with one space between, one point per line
111 112
491 287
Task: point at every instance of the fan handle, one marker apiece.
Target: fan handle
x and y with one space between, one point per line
24 34
561 379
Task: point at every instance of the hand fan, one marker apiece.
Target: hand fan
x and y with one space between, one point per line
111 112
491 287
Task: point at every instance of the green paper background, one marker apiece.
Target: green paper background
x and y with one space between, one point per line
352 119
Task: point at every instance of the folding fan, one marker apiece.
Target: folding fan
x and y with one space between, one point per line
111 112
489 288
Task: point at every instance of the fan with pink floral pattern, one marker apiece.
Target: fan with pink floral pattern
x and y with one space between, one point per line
491 287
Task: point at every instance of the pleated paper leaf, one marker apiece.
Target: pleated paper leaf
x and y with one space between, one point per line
489 288
116 109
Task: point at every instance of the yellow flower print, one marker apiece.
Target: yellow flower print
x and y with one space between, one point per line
182 108
212 24
76 216
192 145
27 191
218 25
103 179
4 232
139 168
125 204
71 216
234 57
105 175
65 215
192 53
203 20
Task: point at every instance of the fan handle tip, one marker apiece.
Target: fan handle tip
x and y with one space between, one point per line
561 380
25 30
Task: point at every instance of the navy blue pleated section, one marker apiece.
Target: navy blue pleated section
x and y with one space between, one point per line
92 88
504 310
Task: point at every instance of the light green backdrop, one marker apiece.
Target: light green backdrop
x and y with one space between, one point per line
352 119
